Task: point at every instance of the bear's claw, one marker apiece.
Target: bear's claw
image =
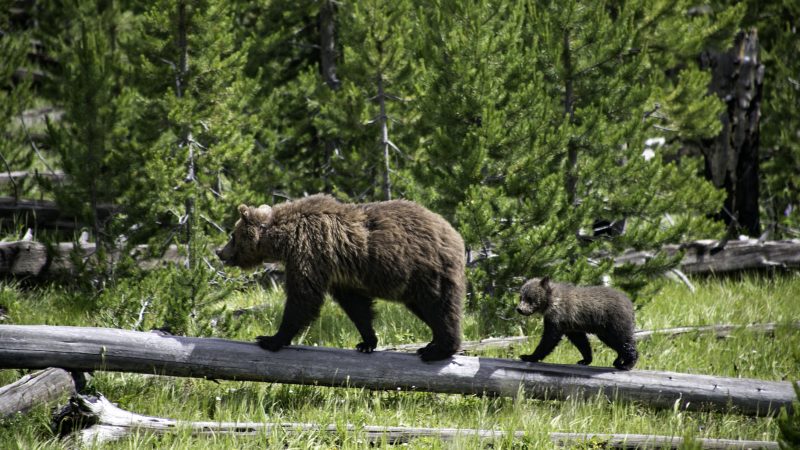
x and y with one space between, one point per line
271 343
529 358
363 347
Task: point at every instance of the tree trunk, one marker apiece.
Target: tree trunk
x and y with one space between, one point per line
731 160
86 349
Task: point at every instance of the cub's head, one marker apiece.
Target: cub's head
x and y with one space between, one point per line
534 296
243 249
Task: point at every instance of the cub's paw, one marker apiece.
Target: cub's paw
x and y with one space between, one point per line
364 347
584 362
271 343
623 366
529 358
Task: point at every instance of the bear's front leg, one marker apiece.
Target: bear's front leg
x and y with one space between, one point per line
303 304
551 336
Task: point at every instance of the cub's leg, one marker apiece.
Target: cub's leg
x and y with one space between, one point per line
625 348
581 341
359 309
551 336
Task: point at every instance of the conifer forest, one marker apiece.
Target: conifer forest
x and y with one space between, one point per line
652 146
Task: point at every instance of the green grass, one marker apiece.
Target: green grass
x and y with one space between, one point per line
749 299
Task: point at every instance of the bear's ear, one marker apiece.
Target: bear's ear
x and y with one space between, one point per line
262 214
244 211
545 283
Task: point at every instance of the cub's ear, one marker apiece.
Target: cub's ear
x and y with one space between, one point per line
545 283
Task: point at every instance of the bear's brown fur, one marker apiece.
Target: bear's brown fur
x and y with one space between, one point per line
575 311
395 250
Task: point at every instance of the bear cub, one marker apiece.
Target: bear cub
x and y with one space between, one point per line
576 310
395 250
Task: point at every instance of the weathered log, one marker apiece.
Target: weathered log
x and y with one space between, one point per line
709 256
18 175
34 259
45 213
87 349
636 441
41 387
111 423
721 331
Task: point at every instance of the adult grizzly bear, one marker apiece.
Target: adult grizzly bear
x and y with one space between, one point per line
577 310
395 250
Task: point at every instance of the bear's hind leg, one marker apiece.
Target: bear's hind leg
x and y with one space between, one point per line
359 309
444 320
581 341
625 348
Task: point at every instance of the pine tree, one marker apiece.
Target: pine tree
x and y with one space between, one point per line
371 114
92 138
15 96
192 136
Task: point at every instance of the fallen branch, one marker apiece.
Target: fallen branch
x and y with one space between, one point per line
41 387
111 423
87 349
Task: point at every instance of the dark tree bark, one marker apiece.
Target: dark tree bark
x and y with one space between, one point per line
731 159
327 66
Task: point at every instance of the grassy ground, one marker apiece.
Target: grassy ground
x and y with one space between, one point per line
746 300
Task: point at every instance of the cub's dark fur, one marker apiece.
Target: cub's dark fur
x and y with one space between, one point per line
575 311
395 250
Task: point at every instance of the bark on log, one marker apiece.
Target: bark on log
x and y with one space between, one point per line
708 256
87 349
40 387
112 423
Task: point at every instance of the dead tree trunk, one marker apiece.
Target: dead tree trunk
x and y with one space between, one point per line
87 349
33 389
732 157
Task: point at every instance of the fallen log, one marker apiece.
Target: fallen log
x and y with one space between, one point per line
45 386
721 331
19 175
87 349
34 259
45 213
110 423
711 256
637 441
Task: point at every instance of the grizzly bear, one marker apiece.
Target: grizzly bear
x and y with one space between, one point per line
575 311
395 250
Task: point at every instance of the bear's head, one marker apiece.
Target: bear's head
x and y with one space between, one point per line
243 249
534 296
